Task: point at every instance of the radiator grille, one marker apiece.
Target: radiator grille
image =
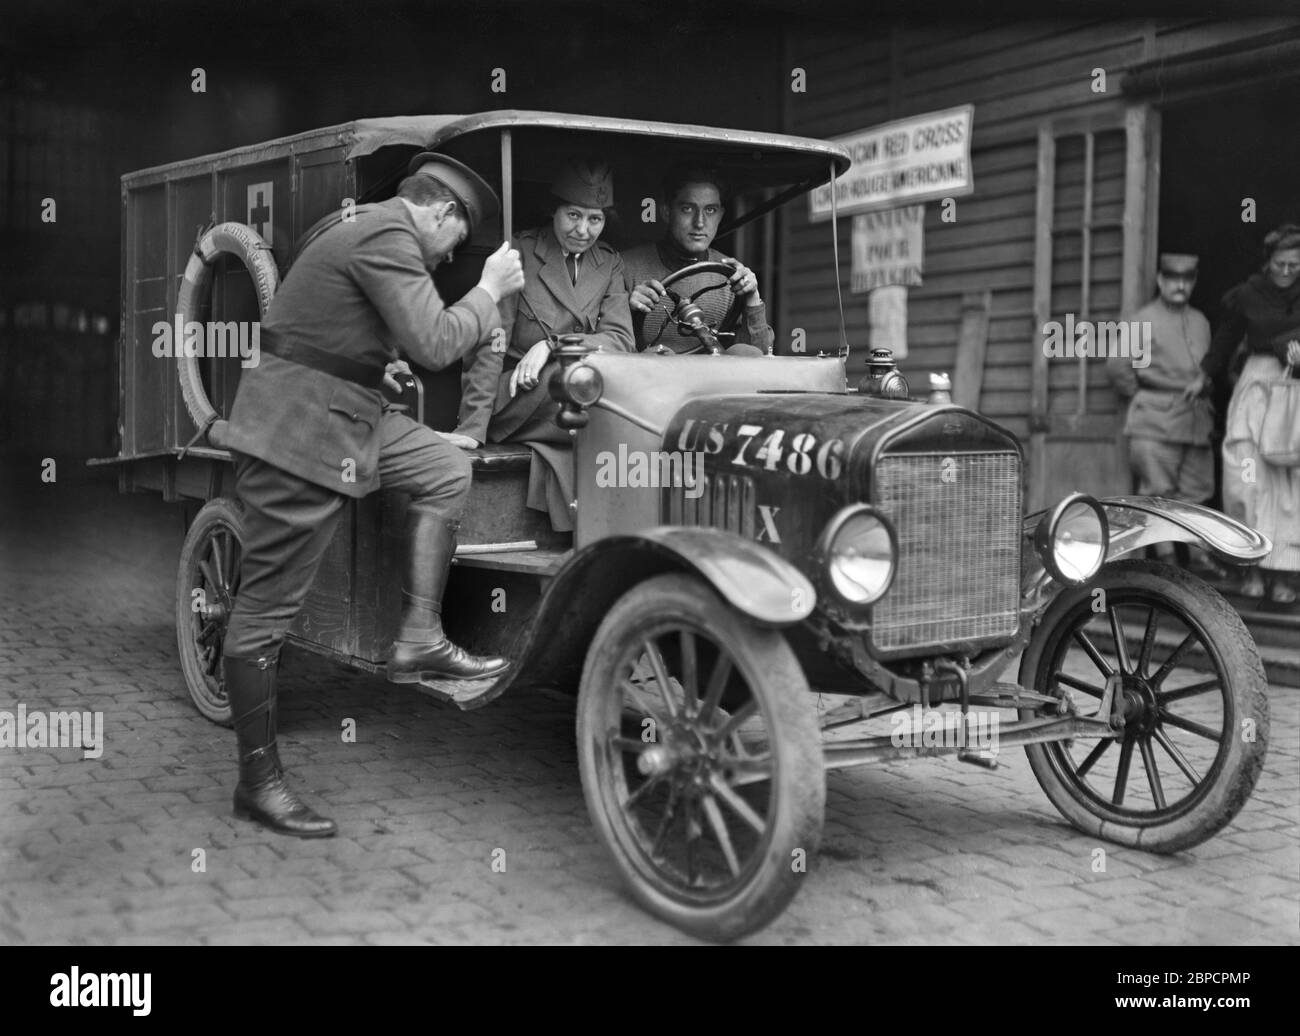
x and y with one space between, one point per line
959 548
725 502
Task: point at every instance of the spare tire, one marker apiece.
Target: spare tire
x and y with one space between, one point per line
244 242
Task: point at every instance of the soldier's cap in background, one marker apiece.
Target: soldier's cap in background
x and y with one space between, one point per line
1173 264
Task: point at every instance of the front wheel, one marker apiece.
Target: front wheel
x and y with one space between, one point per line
1184 673
700 758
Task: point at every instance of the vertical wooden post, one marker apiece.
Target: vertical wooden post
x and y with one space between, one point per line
1038 384
769 265
972 345
1141 181
507 185
1138 258
1085 255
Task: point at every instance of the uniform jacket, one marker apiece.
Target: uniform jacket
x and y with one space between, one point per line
1157 410
596 308
360 289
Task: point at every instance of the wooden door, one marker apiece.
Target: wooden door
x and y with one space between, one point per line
1093 259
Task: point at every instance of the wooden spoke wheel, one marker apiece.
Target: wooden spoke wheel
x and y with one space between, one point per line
206 585
700 757
1182 670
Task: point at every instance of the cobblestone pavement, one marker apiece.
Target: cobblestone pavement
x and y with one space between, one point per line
104 850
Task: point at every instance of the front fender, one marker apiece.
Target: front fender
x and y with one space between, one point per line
1136 522
761 585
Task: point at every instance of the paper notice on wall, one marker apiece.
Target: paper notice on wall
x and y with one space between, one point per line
887 317
888 248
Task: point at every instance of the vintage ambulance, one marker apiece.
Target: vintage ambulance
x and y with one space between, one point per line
838 558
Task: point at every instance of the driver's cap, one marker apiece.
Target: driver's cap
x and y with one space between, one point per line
475 194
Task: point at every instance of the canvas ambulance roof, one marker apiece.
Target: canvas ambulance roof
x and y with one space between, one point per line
749 158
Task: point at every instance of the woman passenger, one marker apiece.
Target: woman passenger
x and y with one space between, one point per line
574 285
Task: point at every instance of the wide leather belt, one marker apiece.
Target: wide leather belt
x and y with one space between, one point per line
364 374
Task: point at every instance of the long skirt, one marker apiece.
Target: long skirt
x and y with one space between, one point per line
529 418
1265 497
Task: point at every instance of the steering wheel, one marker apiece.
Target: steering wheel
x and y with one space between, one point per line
686 308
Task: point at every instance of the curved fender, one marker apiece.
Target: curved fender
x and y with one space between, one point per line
1136 522
761 585
754 580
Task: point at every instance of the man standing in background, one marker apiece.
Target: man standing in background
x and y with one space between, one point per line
1168 427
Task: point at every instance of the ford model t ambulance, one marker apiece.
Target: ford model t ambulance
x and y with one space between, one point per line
834 543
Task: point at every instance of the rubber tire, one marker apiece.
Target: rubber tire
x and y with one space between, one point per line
219 510
799 785
1225 633
225 238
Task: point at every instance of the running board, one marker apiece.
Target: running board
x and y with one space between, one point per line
466 549
539 562
466 695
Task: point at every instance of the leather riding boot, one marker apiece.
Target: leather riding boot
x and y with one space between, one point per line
261 794
422 650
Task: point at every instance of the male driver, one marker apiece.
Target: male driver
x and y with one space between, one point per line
1169 433
309 429
692 210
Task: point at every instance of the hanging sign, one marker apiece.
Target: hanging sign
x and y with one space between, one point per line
914 159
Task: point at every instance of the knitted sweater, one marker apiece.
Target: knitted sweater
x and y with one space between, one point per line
655 261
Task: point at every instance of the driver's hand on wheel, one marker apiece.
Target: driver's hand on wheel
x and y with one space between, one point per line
524 376
744 282
646 296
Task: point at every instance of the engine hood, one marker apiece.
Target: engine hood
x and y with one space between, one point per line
821 437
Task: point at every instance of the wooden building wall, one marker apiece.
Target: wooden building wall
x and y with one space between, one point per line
58 284
1017 75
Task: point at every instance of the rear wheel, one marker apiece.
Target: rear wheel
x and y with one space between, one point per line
206 584
700 757
1187 677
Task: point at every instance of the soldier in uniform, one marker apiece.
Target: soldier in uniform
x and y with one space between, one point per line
309 429
575 285
692 210
1168 427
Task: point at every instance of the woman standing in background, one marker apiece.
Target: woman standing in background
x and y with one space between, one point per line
1265 310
